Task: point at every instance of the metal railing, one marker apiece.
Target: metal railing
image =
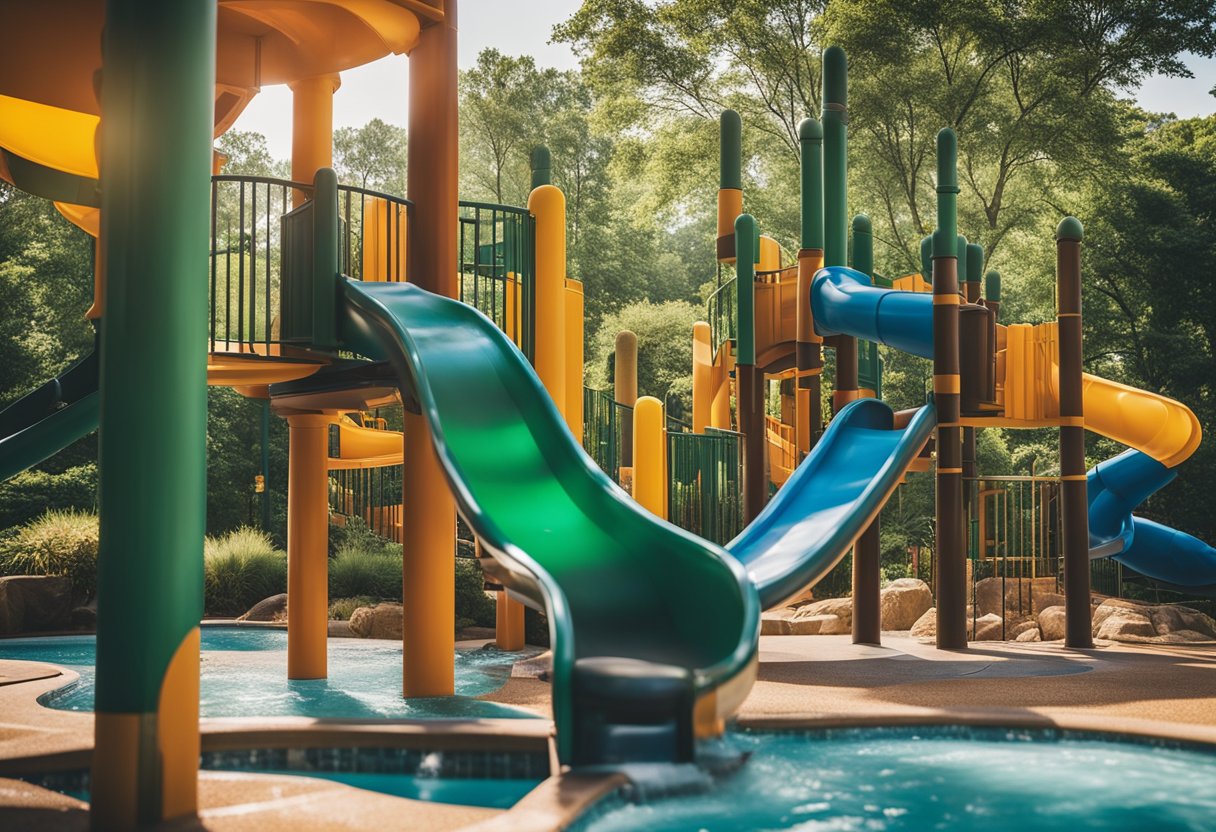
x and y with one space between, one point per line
721 310
705 483
371 494
374 234
247 227
498 267
603 430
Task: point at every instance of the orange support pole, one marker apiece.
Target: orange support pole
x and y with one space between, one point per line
307 545
650 456
312 128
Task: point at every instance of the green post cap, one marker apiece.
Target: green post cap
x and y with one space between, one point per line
863 244
542 166
810 130
862 224
835 76
947 161
730 150
975 262
945 239
926 258
992 285
1070 228
961 249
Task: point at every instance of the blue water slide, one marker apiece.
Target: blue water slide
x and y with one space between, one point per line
844 302
830 498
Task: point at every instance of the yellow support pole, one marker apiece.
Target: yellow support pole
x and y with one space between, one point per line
702 376
574 358
307 545
548 205
312 128
650 456
508 619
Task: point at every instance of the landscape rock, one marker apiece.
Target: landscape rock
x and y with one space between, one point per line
1031 634
902 602
1119 619
1014 629
34 603
1051 623
1021 595
381 621
925 626
775 622
988 627
83 618
823 624
273 608
841 609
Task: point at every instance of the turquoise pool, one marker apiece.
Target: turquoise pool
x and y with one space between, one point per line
244 673
955 778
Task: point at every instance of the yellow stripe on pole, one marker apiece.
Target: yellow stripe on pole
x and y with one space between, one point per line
946 384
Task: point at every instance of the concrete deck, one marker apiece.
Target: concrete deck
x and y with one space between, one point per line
1165 690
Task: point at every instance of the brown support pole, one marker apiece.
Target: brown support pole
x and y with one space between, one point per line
867 587
625 387
747 377
951 540
808 355
429 512
1074 511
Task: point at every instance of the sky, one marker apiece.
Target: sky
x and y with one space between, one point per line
378 90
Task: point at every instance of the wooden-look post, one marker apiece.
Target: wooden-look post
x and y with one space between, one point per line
625 387
951 541
867 554
1074 510
809 347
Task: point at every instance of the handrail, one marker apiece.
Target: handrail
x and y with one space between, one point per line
261 180
492 206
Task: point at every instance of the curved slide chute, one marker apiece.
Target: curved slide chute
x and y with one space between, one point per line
637 666
1161 432
48 419
830 499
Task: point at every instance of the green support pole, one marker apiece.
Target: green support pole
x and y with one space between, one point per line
975 271
325 264
747 377
542 166
992 286
809 346
867 553
835 119
745 289
950 571
157 95
730 182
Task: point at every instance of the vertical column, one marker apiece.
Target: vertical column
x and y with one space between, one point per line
429 513
702 376
625 387
548 205
574 357
730 182
749 379
157 95
951 555
971 294
835 119
867 554
307 545
508 617
1074 512
650 456
312 128
809 346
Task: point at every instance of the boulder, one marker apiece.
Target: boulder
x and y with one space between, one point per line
1120 619
1031 634
1174 619
1010 596
1045 600
823 624
1014 629
1125 624
988 627
775 622
840 608
381 621
273 608
34 603
1051 623
925 626
84 618
903 602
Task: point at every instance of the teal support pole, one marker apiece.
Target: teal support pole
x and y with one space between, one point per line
749 380
810 144
542 166
157 93
975 267
746 235
835 119
992 286
325 263
863 245
730 150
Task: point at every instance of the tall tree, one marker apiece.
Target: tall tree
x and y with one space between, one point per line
372 156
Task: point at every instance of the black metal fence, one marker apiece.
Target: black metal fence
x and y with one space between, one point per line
705 492
603 430
374 235
498 267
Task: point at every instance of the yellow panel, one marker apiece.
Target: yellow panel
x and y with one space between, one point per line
51 136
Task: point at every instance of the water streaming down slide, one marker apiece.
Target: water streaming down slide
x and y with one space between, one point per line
638 669
1161 432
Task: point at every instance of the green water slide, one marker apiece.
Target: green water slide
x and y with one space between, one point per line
654 630
48 419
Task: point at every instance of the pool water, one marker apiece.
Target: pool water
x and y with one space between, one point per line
488 792
958 778
244 673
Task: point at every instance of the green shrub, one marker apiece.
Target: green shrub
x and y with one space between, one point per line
60 542
340 609
357 571
240 569
356 535
32 493
472 603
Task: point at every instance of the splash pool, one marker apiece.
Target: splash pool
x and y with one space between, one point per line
955 778
244 673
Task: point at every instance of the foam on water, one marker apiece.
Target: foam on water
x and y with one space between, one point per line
930 779
244 673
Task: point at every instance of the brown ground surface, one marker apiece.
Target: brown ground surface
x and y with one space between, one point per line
802 680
